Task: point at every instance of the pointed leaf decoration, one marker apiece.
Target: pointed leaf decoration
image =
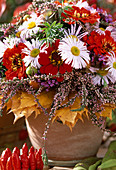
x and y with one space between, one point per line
69 117
24 104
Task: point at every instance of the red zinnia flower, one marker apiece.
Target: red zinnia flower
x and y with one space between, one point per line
78 14
101 44
52 63
12 60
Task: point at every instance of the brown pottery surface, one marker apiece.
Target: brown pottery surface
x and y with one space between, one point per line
62 144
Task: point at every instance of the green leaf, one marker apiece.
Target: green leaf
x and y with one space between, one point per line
108 164
79 168
81 108
105 84
53 24
111 153
94 166
85 163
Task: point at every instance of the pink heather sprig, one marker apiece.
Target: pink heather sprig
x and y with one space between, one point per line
61 94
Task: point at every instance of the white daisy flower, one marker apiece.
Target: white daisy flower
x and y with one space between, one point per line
81 4
11 41
29 27
105 76
74 51
7 43
111 63
74 32
2 50
32 53
101 30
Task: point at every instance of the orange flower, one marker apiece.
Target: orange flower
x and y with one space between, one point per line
82 15
12 60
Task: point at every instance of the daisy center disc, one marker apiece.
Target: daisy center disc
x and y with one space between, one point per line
75 51
102 72
55 58
102 29
114 65
35 52
31 25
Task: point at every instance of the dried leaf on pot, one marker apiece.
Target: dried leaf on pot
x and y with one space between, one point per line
68 117
107 112
46 98
25 112
24 104
26 100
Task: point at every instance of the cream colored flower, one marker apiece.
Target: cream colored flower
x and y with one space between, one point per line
29 26
74 52
32 53
111 64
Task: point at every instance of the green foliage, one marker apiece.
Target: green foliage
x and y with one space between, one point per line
94 166
108 165
109 121
84 164
94 163
114 116
2 70
81 108
111 153
52 32
105 84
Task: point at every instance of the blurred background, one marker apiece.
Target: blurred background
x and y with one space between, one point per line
8 8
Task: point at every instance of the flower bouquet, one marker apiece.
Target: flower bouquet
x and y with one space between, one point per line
59 60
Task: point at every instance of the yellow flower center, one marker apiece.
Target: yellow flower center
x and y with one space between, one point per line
34 53
76 14
102 29
102 72
85 15
18 34
75 51
31 25
114 65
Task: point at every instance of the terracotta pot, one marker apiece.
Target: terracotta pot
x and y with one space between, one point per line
62 143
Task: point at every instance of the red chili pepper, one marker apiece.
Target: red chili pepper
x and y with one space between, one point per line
1 165
4 158
35 151
16 150
32 161
9 164
39 160
24 162
25 149
8 152
16 161
31 150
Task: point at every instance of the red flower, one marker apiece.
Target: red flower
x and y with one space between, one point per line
101 44
12 60
92 2
52 63
78 14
